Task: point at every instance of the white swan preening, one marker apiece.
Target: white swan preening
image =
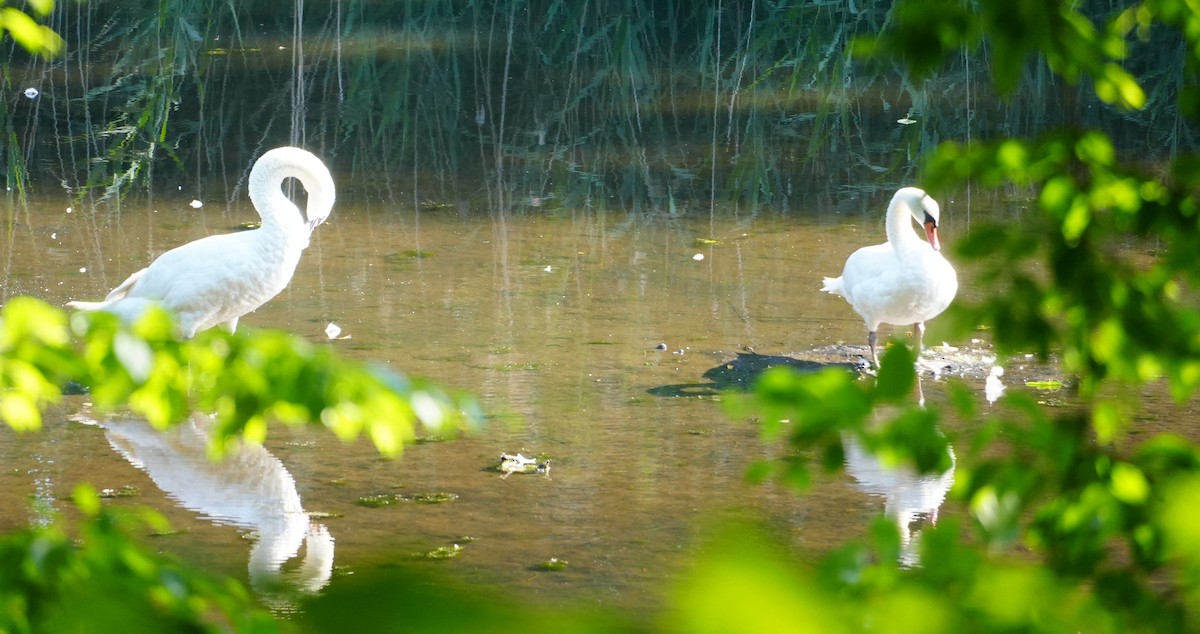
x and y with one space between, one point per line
904 280
216 280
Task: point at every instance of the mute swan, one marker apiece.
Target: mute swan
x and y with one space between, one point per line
216 280
904 280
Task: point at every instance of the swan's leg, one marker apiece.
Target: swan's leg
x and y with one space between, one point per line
871 344
231 325
919 331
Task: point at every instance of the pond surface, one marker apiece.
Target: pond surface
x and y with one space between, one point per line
555 323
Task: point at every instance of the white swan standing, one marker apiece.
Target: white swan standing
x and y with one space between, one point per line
216 280
904 280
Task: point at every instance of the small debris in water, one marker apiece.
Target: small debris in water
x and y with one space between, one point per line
438 497
444 552
661 346
436 205
32 92
83 269
547 269
376 501
388 499
322 515
1050 385
333 330
906 121
553 564
518 463
126 491
698 257
196 204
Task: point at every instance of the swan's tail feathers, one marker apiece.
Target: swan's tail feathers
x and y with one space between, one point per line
834 285
125 287
89 305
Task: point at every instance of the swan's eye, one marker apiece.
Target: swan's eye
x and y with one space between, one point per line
930 219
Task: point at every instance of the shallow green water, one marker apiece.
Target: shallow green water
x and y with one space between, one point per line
555 323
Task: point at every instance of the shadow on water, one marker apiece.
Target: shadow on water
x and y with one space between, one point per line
742 371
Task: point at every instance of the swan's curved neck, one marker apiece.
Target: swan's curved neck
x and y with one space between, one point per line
899 225
266 189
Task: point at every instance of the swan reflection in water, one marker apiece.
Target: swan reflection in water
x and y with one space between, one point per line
908 496
249 489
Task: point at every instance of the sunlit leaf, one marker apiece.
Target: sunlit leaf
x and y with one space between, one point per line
29 34
1077 219
1129 484
1108 419
739 586
897 375
42 7
1057 195
19 411
1095 147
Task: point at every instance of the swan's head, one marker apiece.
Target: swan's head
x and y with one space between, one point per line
281 163
925 210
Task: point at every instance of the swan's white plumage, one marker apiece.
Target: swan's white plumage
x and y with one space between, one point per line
904 280
215 280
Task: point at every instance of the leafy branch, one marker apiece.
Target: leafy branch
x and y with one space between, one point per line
245 379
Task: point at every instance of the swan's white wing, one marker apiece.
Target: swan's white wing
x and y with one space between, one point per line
217 279
886 288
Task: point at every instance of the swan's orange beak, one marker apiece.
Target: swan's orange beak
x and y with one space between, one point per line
931 235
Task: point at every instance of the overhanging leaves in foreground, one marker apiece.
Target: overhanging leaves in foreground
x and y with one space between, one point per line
245 379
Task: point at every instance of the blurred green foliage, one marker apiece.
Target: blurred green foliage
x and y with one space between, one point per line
1072 524
244 379
98 579
52 581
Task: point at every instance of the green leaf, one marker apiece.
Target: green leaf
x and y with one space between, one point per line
1129 484
897 374
42 7
29 34
1108 420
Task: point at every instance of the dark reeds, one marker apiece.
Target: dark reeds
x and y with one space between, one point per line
655 107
